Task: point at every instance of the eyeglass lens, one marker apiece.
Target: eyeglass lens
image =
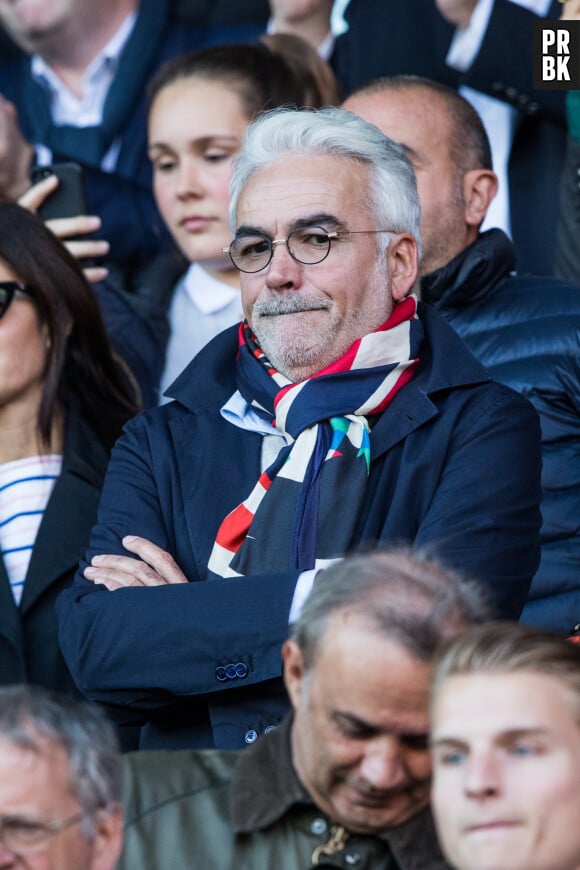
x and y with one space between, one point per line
7 291
308 245
25 836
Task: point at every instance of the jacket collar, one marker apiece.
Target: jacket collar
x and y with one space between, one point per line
265 785
265 788
472 274
210 378
63 532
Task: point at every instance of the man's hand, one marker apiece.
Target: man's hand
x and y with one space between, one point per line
457 12
570 10
155 567
67 228
15 153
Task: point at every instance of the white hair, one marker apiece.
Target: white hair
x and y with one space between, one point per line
334 132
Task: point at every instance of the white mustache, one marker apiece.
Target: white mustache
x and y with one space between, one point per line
288 305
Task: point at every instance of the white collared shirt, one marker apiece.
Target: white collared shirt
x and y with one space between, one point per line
86 111
201 307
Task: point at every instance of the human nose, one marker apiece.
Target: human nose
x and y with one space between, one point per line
382 765
482 775
189 180
283 271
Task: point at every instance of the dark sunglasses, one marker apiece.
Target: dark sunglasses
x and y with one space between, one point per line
7 291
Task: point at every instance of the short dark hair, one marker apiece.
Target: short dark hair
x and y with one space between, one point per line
469 143
509 647
408 596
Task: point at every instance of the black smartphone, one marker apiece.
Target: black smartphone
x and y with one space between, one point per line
69 199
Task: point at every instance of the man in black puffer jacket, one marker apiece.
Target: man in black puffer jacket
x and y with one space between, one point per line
524 329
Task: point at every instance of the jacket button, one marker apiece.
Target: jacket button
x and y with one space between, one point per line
250 736
269 728
241 670
352 859
231 672
220 673
318 826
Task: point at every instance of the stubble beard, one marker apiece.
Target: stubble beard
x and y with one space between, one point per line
308 343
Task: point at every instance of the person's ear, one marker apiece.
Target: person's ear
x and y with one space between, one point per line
479 188
108 841
403 264
293 671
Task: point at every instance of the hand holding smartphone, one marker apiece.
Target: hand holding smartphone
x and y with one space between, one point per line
66 211
69 199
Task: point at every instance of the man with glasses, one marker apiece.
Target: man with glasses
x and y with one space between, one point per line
60 784
340 414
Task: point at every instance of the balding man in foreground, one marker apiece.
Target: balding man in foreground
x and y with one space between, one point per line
343 782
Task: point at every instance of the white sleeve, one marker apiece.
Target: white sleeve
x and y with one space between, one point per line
302 591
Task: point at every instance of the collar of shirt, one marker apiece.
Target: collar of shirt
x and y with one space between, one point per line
66 108
206 292
238 412
265 785
338 24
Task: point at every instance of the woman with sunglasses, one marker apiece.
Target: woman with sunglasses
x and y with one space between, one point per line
64 398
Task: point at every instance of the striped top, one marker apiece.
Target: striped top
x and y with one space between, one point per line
25 488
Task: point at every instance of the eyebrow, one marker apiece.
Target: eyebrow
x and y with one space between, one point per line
340 716
501 737
410 153
199 142
324 219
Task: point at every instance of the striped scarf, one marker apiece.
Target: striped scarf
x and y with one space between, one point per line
303 510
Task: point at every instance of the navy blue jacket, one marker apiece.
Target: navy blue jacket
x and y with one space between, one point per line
29 650
526 331
455 468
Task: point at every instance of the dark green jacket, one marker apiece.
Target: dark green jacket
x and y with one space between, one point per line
247 810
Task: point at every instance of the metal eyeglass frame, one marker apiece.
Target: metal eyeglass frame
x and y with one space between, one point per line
330 236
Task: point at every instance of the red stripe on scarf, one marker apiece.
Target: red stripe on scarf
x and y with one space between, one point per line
403 379
406 309
232 532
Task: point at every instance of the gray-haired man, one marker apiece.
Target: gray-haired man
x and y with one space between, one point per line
60 783
344 781
341 414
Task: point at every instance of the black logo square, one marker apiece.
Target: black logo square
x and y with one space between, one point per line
557 55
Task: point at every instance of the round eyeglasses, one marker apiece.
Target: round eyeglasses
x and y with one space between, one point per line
7 291
25 836
252 252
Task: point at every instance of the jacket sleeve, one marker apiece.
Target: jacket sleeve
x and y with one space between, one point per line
484 519
141 647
